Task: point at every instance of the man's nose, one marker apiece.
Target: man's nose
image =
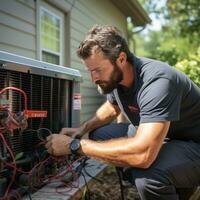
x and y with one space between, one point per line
94 77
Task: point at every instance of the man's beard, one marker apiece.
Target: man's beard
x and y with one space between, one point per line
105 87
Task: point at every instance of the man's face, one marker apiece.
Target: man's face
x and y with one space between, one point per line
103 73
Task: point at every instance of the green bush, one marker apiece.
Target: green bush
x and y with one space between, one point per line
191 66
170 56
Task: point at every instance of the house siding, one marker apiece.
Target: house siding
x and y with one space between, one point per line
17 27
18 35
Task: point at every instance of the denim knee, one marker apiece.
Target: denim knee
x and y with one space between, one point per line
155 190
109 131
95 135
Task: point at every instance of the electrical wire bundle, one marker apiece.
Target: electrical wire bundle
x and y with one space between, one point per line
62 171
38 169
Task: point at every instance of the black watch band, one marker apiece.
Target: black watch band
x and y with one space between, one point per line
75 146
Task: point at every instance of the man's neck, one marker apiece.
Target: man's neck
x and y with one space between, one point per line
128 74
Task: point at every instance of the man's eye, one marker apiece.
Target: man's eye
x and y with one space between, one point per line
98 70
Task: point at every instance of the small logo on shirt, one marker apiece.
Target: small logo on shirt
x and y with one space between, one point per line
133 109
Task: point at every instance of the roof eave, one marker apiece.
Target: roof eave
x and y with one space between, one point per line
133 9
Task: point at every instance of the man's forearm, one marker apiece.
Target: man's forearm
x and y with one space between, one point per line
120 152
104 115
138 151
94 123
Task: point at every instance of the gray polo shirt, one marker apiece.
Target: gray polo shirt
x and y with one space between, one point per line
161 93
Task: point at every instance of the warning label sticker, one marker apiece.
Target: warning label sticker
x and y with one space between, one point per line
77 101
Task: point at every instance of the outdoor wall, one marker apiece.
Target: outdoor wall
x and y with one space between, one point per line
19 34
18 27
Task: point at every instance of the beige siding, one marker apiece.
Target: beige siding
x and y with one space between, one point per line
84 14
18 34
17 27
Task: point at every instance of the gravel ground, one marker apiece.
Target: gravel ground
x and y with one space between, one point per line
109 188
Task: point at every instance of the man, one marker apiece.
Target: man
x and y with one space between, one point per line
161 101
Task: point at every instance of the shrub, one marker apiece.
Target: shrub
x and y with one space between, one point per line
191 66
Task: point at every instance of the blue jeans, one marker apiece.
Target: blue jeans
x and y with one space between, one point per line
176 167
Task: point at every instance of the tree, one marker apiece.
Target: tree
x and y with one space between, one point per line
179 35
184 15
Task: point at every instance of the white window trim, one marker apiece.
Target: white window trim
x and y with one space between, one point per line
61 36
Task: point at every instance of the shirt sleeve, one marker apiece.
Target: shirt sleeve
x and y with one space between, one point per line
111 98
160 100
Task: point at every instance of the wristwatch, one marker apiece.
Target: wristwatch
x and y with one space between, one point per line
74 146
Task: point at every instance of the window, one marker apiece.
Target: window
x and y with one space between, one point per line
51 36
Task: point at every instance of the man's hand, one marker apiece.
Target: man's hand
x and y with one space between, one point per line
72 132
58 144
104 115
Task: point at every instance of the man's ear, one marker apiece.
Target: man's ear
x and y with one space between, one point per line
122 58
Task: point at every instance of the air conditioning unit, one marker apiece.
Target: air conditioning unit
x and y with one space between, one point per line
50 89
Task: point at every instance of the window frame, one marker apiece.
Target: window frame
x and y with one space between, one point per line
50 10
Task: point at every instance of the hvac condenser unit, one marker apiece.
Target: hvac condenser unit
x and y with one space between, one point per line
52 92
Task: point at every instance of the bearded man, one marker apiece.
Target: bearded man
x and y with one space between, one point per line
163 154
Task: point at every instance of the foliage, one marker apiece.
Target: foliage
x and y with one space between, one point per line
170 56
152 6
181 16
178 38
191 66
162 46
184 14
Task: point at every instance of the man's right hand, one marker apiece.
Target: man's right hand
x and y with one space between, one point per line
72 132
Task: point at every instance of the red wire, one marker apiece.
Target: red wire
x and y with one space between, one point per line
18 90
14 165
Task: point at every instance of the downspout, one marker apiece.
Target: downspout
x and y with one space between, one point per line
131 33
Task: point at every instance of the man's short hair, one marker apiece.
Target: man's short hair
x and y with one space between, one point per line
106 39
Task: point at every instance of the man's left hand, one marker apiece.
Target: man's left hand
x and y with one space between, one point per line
58 144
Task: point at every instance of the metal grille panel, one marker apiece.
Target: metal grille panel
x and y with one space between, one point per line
44 93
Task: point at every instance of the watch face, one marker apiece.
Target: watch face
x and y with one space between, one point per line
74 146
